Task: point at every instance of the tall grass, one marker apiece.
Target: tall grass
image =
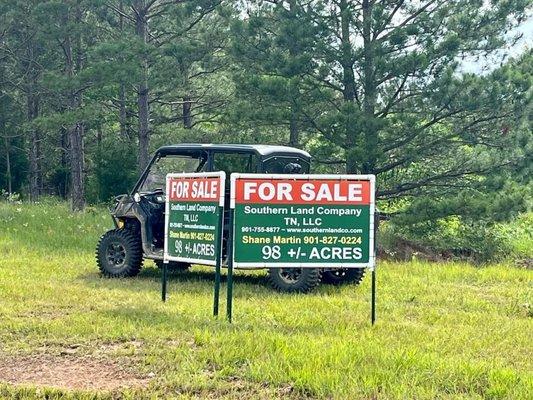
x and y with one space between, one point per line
444 330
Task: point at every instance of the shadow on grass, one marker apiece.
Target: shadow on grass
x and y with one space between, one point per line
169 320
196 280
199 275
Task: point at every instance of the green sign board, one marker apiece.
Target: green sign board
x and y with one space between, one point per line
303 221
194 206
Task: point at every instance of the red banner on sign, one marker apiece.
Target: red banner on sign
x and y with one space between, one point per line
288 191
194 189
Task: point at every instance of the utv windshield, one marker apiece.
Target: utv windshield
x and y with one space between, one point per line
155 180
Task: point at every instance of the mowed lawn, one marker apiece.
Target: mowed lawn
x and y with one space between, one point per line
443 330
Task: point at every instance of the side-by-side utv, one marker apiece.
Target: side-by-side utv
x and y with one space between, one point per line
139 216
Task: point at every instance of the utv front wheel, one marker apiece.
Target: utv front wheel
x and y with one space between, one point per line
294 280
119 254
340 276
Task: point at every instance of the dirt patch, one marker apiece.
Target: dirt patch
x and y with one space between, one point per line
69 372
526 263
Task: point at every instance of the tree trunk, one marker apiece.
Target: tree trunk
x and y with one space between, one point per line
369 86
144 133
32 106
8 164
35 145
187 114
293 85
349 91
76 132
77 191
143 90
63 188
7 144
293 128
347 61
123 112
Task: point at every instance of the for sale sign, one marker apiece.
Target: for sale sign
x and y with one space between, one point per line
194 203
303 220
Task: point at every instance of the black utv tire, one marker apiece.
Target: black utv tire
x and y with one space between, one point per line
341 276
294 280
119 254
174 265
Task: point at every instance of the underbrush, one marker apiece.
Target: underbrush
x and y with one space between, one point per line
453 239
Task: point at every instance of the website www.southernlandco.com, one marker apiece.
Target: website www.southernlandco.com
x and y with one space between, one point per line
323 230
200 227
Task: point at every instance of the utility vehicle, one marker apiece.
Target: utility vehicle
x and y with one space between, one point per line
139 215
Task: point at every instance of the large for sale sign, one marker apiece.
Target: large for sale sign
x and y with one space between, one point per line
194 205
303 220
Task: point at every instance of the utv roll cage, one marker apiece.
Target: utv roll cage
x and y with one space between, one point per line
264 153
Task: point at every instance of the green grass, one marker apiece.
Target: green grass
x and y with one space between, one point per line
443 331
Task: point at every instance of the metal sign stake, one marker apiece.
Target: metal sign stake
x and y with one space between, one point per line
229 297
373 290
216 292
164 282
373 307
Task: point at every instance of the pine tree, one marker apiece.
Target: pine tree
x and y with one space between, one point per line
273 50
395 102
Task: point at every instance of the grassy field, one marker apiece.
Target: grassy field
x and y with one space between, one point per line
444 330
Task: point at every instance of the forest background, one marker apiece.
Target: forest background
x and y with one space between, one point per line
423 94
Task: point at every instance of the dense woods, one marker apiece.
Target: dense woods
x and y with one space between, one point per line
88 89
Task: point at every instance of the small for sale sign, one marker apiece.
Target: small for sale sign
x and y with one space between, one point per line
194 206
303 221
